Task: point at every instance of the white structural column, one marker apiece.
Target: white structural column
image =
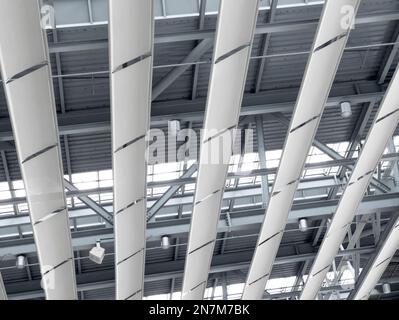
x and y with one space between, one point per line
380 263
3 293
382 130
328 47
131 34
25 69
235 31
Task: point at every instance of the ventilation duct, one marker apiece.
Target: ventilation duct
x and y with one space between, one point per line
229 70
382 130
25 69
131 33
327 50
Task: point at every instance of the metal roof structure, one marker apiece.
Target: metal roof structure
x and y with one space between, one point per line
183 58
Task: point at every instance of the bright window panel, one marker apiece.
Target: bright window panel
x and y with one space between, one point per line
159 191
176 295
158 297
84 177
235 288
23 207
87 185
105 175
189 187
4 195
106 183
106 197
6 210
18 184
4 186
280 285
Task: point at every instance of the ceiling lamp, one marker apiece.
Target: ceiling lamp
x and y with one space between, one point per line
97 254
303 225
386 288
165 242
174 127
346 109
20 262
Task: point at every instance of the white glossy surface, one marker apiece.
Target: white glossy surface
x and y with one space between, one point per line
223 106
61 278
130 36
373 149
3 293
131 30
34 101
24 49
379 265
45 184
32 111
316 85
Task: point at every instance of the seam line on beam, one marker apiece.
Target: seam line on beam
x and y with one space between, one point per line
315 274
366 295
365 175
207 197
220 133
275 193
271 237
292 182
203 246
329 42
132 62
25 72
331 232
129 205
262 277
130 143
361 177
132 295
193 288
382 262
52 214
57 266
305 123
344 226
230 53
59 210
35 155
131 256
387 115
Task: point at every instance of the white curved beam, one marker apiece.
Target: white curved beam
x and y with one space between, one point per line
375 270
3 293
25 67
382 130
328 47
235 31
131 32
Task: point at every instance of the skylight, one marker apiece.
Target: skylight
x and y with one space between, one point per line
83 13
100 182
